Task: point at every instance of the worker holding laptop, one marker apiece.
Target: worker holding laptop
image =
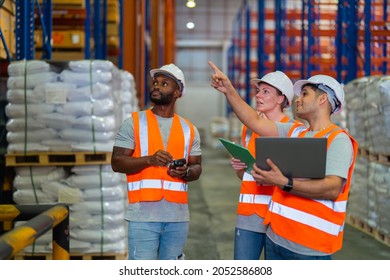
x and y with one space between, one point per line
274 93
305 218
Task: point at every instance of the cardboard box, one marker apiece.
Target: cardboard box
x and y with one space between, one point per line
7 23
62 39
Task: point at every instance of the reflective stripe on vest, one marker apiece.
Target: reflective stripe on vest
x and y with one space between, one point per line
254 198
156 184
153 183
307 219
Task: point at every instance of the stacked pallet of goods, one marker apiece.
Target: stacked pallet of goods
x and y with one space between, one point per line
368 119
63 118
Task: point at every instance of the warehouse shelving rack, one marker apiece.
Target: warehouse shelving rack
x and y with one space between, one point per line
373 37
345 39
241 52
24 32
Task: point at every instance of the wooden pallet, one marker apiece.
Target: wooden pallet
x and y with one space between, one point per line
363 226
57 158
363 152
373 232
74 256
383 159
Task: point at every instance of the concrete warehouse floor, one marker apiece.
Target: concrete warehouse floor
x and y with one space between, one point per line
213 203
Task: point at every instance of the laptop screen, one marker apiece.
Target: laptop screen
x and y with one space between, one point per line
295 157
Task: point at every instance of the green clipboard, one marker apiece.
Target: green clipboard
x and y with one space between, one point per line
239 152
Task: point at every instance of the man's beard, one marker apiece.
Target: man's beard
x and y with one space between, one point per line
164 100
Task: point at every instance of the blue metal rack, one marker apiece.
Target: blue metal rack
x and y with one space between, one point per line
45 16
260 38
100 29
347 40
24 32
280 15
367 38
248 47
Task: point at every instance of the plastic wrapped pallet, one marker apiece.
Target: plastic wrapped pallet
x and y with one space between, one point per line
103 199
127 94
28 184
97 201
380 181
368 112
24 76
368 119
72 109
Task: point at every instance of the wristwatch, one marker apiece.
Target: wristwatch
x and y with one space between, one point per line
289 185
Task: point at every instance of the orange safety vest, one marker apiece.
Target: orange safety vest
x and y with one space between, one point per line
153 183
313 223
253 198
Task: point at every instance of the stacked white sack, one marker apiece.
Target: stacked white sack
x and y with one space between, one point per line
97 198
28 183
127 94
361 193
379 180
75 110
95 110
25 132
368 114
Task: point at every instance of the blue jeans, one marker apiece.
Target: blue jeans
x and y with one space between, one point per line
276 252
156 241
248 244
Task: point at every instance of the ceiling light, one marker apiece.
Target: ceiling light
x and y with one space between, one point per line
191 4
190 25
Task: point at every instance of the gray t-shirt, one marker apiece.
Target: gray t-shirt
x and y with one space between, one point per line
338 160
155 211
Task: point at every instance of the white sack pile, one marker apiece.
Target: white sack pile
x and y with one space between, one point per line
78 108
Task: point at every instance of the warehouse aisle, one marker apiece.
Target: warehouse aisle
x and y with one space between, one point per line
213 202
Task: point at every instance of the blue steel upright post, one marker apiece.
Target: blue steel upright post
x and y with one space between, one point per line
248 56
367 38
24 31
303 35
46 19
352 41
384 66
100 29
278 33
87 30
260 37
310 39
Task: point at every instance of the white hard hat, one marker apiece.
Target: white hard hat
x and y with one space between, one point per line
327 81
172 71
280 81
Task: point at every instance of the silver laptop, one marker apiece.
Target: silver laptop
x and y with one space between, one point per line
295 157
